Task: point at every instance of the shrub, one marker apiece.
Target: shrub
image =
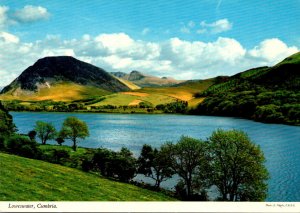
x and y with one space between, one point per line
58 155
2 143
22 146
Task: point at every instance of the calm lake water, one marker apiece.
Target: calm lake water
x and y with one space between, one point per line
280 143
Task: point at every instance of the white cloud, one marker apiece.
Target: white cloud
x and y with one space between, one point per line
9 38
119 52
27 14
31 14
216 27
56 52
116 42
272 50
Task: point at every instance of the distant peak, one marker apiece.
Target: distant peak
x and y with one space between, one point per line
135 75
135 72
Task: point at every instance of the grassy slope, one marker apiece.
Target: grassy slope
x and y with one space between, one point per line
260 76
68 92
59 92
128 83
25 179
159 95
293 59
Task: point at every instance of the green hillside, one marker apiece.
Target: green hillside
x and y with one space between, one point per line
268 94
85 98
25 179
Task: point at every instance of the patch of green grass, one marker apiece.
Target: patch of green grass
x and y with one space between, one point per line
25 179
79 152
66 91
121 99
293 59
117 99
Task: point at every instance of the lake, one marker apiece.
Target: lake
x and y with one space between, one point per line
280 143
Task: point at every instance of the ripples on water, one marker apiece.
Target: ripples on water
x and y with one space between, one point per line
280 143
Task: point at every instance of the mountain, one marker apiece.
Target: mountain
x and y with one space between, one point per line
268 94
143 80
52 72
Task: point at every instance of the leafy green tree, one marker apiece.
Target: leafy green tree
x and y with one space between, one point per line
100 160
189 160
237 166
72 129
124 165
155 164
145 160
121 165
45 131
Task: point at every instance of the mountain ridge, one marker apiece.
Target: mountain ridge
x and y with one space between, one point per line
50 70
144 80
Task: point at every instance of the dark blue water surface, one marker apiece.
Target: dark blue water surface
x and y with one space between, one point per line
280 143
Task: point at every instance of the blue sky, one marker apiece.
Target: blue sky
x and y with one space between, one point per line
183 39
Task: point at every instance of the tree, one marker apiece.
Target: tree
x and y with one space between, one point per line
60 140
100 160
189 160
155 164
120 165
72 129
7 126
237 166
123 165
31 134
45 131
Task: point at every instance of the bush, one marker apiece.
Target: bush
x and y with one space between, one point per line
2 143
58 155
86 165
23 146
144 105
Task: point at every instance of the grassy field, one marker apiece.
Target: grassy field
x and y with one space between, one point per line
158 95
25 179
134 98
59 92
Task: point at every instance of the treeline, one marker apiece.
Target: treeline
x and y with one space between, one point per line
280 106
86 105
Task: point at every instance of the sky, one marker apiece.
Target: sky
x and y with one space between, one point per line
190 39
